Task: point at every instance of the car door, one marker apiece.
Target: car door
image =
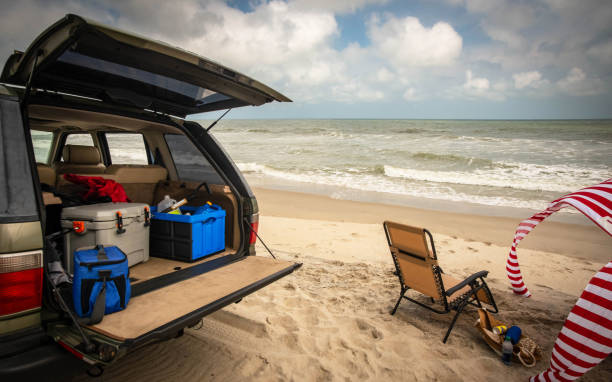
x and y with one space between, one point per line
21 258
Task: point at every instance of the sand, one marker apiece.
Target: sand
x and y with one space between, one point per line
330 319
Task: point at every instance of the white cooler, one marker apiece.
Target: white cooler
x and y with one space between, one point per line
125 225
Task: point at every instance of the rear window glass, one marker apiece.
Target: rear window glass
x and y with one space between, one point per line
189 161
199 94
41 140
127 148
79 139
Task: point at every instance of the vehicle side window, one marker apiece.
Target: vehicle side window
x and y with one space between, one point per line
127 148
41 140
189 161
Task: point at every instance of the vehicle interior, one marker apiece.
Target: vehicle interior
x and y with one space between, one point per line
138 154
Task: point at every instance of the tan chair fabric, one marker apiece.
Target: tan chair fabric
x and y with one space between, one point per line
418 274
80 160
408 239
449 282
46 174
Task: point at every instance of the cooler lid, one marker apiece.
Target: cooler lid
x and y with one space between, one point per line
103 211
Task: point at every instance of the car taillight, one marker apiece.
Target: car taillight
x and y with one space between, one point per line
21 278
254 226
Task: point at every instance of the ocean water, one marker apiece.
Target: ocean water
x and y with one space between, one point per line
523 164
518 164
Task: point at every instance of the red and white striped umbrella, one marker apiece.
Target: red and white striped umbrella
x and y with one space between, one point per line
586 337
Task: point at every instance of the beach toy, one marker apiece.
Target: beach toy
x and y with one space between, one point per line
500 329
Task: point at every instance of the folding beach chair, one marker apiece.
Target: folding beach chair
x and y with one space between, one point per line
417 268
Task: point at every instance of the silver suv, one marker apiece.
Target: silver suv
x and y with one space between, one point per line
84 88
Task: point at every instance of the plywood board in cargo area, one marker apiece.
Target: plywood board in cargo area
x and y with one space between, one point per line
150 311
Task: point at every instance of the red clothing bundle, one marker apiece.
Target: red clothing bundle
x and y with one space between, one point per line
99 187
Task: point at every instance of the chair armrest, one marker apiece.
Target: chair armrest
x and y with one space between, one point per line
467 281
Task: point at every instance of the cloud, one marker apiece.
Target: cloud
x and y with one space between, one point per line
503 19
477 88
601 52
384 75
411 95
577 83
474 83
405 42
336 6
531 79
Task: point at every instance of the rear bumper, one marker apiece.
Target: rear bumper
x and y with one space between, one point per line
47 361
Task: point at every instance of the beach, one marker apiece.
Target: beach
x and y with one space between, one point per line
330 320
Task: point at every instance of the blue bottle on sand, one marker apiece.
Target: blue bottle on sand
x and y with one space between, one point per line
513 335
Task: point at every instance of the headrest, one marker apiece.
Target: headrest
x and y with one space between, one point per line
77 154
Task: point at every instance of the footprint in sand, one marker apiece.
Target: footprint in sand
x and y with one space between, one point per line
543 286
366 327
472 249
290 340
287 322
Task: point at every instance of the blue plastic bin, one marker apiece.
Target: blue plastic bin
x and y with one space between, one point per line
188 237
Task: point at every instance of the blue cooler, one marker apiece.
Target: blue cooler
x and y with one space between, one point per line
101 283
187 237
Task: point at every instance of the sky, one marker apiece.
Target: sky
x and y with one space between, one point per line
434 59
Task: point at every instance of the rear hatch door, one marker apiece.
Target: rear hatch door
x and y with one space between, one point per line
85 58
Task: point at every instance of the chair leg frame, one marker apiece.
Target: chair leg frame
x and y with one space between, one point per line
471 299
450 328
398 301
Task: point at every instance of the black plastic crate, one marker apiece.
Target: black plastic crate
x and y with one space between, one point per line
170 240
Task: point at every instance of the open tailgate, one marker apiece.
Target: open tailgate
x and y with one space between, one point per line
172 306
85 58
